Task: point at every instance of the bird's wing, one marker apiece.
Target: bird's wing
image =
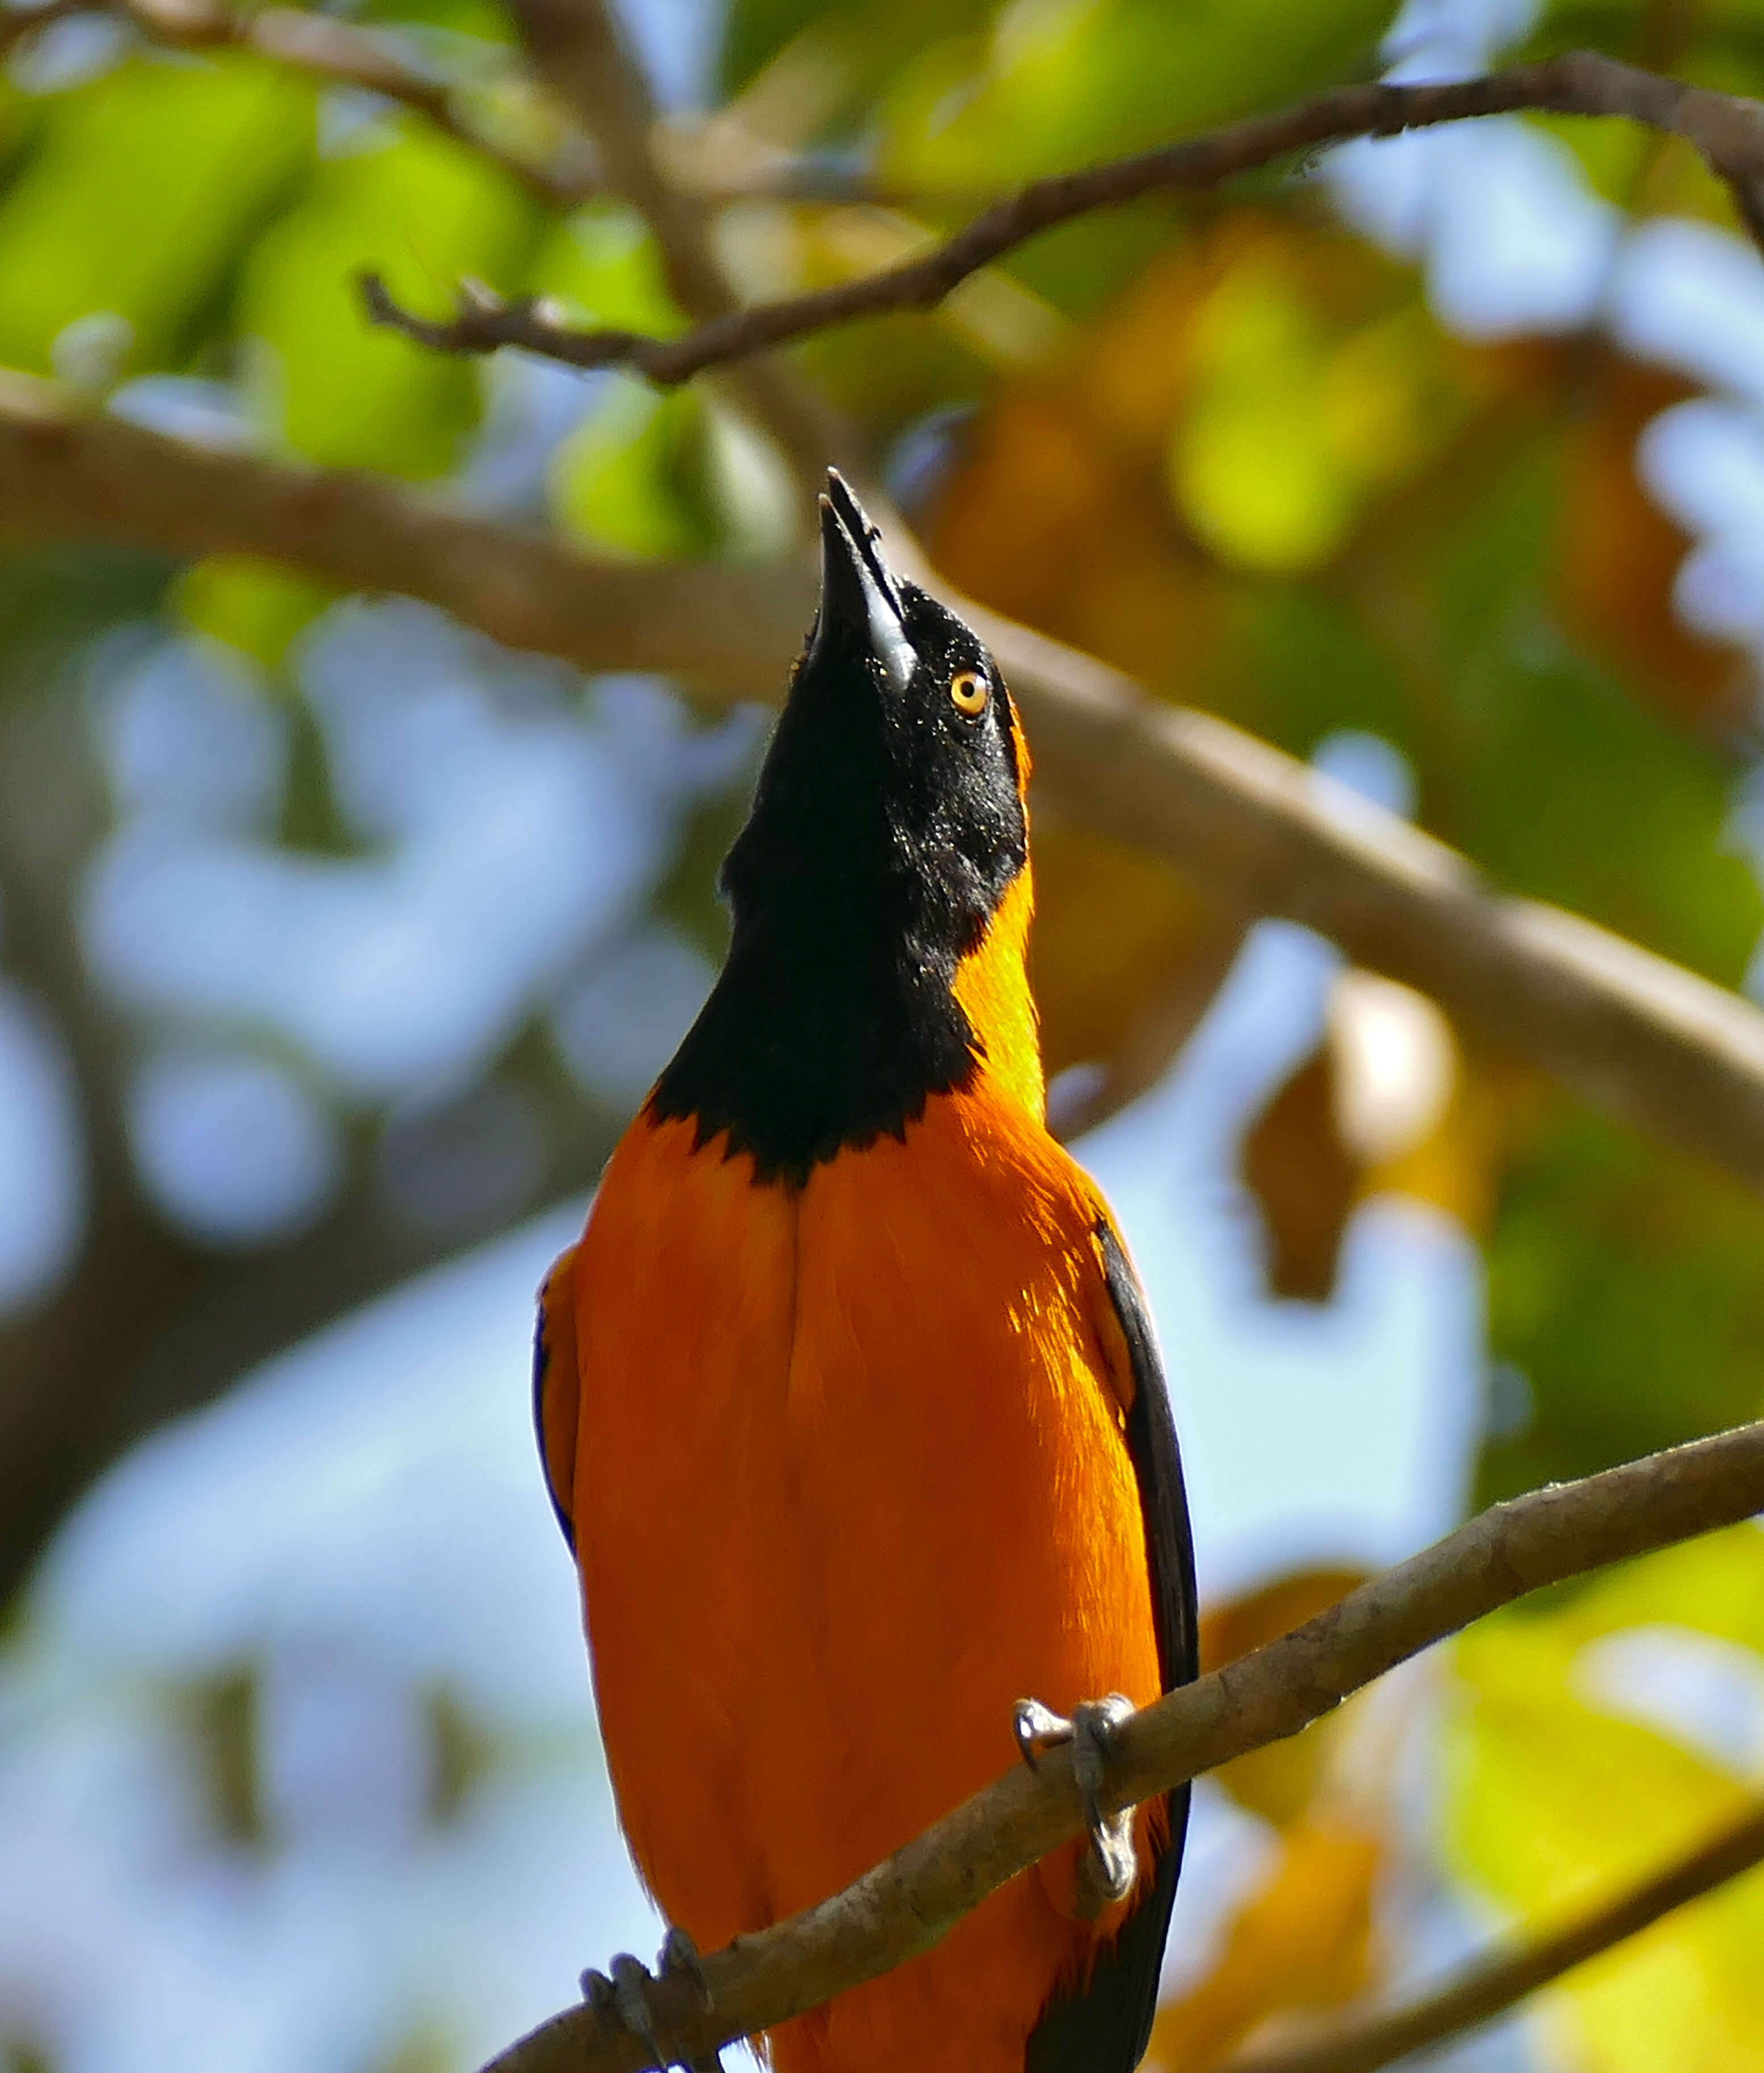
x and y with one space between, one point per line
1105 2025
557 1388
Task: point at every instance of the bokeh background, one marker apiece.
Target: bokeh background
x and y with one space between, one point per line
336 944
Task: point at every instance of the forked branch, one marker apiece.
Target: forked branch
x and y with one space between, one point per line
1727 129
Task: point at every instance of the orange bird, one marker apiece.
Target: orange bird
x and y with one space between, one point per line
848 1399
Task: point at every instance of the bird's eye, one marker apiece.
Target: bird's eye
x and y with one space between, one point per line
969 691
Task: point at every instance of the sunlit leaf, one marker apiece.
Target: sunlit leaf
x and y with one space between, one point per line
259 608
1280 1781
1624 1284
1301 1943
139 195
423 211
1720 42
654 474
1064 81
1553 1803
603 266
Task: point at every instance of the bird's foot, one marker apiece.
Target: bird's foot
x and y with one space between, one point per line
1107 1871
626 1997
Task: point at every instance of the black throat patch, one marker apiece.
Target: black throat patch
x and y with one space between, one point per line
887 825
804 1051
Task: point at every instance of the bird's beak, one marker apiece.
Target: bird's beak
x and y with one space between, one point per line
861 612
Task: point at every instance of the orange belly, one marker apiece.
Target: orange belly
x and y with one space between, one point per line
850 1480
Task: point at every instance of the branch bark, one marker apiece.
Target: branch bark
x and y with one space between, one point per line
17 24
579 47
907 1904
1727 129
67 475
328 48
720 167
1640 1037
1489 1985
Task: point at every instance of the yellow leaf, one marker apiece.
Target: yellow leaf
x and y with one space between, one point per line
1303 1941
1553 1804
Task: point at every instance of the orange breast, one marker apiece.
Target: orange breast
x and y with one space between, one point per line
850 1480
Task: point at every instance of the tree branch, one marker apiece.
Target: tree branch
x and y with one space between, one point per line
1727 129
328 49
324 48
717 168
578 46
18 24
65 475
907 1904
1640 1037
1489 1985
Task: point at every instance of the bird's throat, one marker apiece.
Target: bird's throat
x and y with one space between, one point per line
805 1050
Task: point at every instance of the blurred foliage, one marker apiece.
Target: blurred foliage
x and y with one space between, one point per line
1555 1798
1227 446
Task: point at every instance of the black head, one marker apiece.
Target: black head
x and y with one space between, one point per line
894 770
887 826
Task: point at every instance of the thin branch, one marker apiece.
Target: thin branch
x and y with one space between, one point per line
1489 1985
18 24
68 475
1727 129
579 47
717 169
1640 1037
907 1904
328 49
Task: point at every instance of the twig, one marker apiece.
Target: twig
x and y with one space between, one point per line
1641 1038
907 1904
579 47
1727 129
328 49
64 476
18 24
1489 1985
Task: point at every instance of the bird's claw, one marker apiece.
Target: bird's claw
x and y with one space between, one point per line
624 1997
1108 1870
680 1959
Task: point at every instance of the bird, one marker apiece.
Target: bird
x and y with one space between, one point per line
848 1397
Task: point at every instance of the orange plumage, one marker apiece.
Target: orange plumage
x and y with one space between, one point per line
848 1452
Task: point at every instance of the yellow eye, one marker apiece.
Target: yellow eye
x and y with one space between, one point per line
969 691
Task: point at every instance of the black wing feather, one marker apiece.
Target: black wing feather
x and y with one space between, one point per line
1106 2026
556 1488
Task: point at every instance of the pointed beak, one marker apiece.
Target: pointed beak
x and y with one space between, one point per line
861 611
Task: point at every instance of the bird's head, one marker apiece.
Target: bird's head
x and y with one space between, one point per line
892 797
888 827
881 888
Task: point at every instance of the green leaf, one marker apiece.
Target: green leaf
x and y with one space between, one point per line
858 44
142 188
482 21
422 211
652 475
1062 83
624 479
1550 1805
603 266
1718 43
257 607
1624 1283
